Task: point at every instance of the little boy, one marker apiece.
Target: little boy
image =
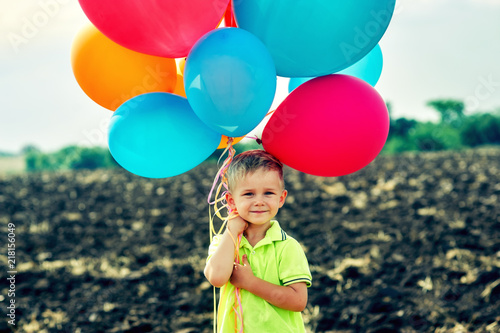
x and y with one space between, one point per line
274 273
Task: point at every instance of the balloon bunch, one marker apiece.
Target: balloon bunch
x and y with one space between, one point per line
167 120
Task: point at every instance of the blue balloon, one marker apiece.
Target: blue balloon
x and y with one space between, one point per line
309 38
157 135
369 69
230 80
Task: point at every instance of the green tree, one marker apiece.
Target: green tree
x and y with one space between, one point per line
93 158
397 144
402 126
480 129
70 158
451 111
432 137
30 149
37 161
397 140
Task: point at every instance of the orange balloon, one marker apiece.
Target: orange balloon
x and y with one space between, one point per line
223 141
111 74
179 86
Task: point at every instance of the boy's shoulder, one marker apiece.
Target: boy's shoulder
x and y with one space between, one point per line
287 240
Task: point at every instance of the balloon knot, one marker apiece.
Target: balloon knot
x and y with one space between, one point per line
259 141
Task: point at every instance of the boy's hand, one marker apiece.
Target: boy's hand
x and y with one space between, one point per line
242 274
236 225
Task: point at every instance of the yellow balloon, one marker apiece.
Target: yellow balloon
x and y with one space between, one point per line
111 74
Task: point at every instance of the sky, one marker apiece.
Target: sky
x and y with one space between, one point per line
432 49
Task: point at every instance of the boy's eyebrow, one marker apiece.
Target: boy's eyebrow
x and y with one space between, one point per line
265 189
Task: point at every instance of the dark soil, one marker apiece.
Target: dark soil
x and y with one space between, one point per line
410 243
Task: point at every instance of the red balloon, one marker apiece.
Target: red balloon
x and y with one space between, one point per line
166 28
329 126
229 19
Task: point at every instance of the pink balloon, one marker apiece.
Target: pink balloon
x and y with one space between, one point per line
166 28
329 126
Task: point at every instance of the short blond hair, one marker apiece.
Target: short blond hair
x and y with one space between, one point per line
251 161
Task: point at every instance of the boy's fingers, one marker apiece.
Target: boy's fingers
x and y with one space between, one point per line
244 261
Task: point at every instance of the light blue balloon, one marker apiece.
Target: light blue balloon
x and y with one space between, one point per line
309 38
369 69
157 135
230 80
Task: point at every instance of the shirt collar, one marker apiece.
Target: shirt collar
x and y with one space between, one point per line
273 234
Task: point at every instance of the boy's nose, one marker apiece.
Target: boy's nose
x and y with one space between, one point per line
259 200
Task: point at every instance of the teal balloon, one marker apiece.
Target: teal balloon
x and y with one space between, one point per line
297 81
309 38
369 69
157 135
230 80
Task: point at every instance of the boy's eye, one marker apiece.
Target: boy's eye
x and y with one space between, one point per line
269 193
247 194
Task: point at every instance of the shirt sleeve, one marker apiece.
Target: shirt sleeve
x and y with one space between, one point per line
213 246
293 266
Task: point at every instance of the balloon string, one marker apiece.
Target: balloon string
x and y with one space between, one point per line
237 291
220 199
255 137
221 174
270 112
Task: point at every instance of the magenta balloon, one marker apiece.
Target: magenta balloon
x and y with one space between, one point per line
329 126
166 28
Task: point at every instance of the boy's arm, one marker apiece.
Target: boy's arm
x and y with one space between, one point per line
220 266
292 297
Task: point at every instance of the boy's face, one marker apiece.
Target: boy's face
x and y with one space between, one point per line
257 196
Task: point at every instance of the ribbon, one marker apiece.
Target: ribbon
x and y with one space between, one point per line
220 187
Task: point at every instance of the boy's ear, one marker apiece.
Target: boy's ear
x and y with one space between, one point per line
230 200
282 198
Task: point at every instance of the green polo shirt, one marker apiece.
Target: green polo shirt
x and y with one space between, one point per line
277 258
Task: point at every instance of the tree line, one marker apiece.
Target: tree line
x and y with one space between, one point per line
454 131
